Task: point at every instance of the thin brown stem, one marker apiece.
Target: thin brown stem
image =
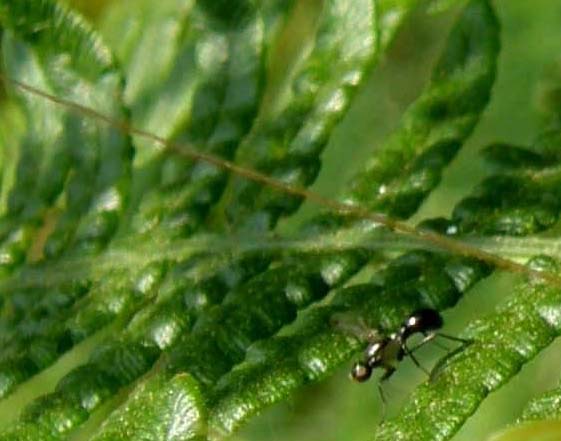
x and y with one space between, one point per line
440 241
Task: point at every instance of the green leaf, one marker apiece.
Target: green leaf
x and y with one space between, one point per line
287 143
435 126
194 312
174 410
542 407
12 128
49 47
542 430
275 295
204 88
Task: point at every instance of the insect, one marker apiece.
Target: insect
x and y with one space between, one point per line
386 351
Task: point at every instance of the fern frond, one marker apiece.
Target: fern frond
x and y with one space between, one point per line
275 296
142 162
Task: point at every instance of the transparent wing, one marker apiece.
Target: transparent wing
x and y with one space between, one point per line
355 325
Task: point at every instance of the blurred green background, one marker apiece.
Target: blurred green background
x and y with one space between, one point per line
529 64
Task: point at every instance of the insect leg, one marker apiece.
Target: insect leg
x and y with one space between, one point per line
441 345
424 341
384 403
416 361
452 338
387 374
437 369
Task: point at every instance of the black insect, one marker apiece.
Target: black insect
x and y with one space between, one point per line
386 352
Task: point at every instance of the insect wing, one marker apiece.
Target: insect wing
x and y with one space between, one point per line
353 324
